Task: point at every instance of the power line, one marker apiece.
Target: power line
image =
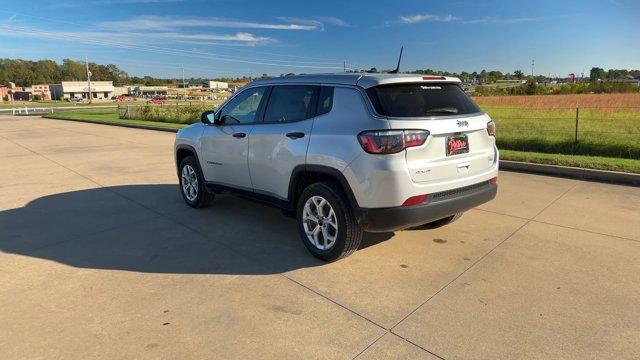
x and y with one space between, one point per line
85 25
169 51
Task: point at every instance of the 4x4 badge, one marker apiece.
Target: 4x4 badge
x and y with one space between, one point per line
462 123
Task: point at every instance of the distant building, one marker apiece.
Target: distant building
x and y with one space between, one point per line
5 93
627 80
121 90
149 91
41 90
21 96
218 85
80 89
514 81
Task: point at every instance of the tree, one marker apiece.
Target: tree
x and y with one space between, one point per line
518 74
597 74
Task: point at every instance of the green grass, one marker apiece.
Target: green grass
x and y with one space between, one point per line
601 132
110 117
581 161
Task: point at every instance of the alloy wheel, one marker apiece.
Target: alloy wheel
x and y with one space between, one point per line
189 182
320 222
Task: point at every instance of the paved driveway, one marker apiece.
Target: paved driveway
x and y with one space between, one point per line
99 258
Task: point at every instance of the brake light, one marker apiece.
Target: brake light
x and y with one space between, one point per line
432 77
491 128
415 200
391 141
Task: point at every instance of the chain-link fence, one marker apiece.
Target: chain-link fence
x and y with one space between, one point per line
613 131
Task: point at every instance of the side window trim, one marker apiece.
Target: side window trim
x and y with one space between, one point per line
317 107
262 109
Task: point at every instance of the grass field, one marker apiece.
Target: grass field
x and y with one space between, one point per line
608 124
581 161
563 101
601 132
110 117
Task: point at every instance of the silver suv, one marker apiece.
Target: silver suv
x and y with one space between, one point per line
345 153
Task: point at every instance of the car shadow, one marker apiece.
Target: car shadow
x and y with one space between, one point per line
148 228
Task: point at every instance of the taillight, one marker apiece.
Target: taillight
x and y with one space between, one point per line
415 200
391 141
493 180
491 128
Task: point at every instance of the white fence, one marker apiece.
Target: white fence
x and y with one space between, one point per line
27 110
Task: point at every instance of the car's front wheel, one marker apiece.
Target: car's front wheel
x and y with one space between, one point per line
326 223
192 186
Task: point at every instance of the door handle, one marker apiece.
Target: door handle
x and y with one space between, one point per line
295 135
239 135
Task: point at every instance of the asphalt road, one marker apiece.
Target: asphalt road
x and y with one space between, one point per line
100 258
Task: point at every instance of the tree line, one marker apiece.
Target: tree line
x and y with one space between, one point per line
28 72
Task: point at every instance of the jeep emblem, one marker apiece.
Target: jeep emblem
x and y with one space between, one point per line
462 123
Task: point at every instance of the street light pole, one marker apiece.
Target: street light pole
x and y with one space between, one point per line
86 61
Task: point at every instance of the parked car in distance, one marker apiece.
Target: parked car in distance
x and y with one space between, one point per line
74 99
157 100
345 154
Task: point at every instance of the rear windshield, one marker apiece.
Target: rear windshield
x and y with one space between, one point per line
421 99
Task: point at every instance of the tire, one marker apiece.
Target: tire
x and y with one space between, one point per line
438 223
201 197
348 234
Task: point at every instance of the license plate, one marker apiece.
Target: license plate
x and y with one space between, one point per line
457 144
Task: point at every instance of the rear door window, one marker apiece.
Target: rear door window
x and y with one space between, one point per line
289 103
421 100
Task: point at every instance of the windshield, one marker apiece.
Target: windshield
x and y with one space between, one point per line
421 99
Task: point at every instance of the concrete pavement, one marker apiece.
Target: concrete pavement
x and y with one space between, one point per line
100 258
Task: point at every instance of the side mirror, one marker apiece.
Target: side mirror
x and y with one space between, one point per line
208 117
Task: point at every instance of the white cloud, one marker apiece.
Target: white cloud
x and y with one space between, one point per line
418 18
507 20
150 22
333 21
133 38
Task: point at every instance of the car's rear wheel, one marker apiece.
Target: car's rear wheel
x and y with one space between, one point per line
192 186
326 223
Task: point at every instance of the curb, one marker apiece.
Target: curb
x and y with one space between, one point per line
134 126
614 177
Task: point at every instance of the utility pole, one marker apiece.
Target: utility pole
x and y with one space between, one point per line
86 61
184 85
532 66
344 65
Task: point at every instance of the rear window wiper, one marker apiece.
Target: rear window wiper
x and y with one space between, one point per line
444 110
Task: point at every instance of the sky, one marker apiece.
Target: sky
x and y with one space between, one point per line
216 38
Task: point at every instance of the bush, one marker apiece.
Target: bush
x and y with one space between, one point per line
182 114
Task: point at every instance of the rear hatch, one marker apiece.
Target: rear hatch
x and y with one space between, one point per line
458 144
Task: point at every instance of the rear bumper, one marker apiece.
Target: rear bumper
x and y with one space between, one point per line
439 205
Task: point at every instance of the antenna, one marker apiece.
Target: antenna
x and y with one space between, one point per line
398 66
